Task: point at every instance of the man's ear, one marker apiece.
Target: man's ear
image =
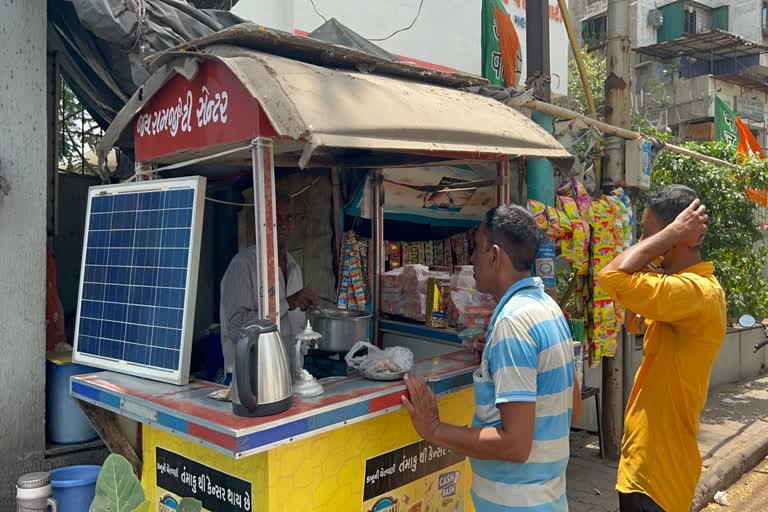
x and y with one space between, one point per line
495 255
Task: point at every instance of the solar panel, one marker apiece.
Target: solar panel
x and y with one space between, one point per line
138 279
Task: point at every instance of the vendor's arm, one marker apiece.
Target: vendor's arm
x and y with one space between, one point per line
512 441
304 299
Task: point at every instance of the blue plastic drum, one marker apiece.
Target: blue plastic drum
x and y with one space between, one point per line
74 487
65 422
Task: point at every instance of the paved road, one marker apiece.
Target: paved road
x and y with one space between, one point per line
749 494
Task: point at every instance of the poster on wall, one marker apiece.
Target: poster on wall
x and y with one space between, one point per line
419 477
179 477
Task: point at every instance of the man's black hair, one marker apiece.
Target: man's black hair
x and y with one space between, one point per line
668 202
514 230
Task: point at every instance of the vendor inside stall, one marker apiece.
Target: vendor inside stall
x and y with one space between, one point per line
239 290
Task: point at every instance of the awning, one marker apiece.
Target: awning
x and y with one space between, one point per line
324 116
712 45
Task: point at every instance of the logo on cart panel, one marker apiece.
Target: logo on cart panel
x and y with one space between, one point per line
387 504
168 504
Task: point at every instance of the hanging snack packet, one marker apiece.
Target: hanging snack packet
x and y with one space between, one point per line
539 212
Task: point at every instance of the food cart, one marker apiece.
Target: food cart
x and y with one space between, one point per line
251 98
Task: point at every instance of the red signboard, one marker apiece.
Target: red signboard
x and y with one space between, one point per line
213 108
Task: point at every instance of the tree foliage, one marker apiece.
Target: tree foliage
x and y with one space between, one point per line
79 133
734 238
594 62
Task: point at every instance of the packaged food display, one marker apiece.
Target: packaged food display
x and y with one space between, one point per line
404 291
438 295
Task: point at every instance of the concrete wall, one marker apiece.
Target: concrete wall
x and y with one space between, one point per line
22 235
22 246
734 363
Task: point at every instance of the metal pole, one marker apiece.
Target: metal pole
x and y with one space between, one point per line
267 276
502 182
617 104
541 179
376 263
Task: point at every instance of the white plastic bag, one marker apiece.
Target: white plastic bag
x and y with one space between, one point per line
390 363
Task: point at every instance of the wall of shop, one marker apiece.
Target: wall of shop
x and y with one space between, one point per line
736 361
68 243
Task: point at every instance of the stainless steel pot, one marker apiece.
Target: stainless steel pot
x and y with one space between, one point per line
341 328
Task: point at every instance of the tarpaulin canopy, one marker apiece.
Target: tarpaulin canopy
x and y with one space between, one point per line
316 112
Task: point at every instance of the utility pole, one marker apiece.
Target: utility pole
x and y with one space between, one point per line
540 176
618 111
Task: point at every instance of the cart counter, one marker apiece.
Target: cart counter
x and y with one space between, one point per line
352 448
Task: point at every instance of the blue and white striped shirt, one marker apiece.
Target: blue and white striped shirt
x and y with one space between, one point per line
527 358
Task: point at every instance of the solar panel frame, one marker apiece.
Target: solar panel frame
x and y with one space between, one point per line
180 374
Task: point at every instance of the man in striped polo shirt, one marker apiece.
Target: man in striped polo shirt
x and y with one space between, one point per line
524 389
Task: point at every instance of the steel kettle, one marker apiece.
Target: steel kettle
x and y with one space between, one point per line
262 376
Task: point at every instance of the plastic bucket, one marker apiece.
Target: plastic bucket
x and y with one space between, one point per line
74 487
65 422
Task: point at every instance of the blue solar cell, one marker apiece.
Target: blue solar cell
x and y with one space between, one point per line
100 221
101 204
123 220
114 293
150 201
118 275
126 202
156 357
181 198
130 351
170 298
93 291
89 327
122 239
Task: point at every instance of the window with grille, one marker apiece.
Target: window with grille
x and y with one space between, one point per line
689 21
593 31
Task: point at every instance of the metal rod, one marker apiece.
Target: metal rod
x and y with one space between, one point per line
584 75
256 225
376 267
564 113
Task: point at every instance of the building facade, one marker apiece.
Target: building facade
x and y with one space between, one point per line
685 54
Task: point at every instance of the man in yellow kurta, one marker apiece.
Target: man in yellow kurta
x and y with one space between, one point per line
684 311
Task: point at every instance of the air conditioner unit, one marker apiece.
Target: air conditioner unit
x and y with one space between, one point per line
655 18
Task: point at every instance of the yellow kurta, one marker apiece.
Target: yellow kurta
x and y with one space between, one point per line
685 318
